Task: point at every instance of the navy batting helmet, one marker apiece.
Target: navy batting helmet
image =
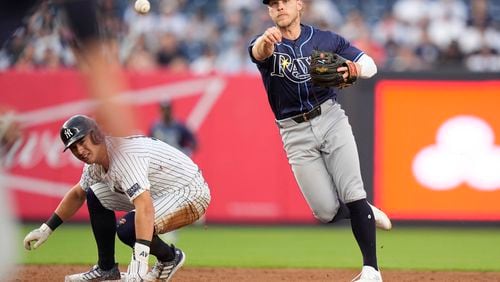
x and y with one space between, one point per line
77 127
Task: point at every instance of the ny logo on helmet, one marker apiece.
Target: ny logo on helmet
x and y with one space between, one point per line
69 133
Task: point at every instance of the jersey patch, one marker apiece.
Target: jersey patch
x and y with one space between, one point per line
132 190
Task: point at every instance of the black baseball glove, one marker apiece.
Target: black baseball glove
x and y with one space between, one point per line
323 70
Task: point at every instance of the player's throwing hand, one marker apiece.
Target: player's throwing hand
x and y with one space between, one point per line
268 40
272 35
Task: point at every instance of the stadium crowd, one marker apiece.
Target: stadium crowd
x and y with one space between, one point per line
205 36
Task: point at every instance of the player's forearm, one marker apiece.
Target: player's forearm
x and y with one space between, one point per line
144 217
262 49
71 203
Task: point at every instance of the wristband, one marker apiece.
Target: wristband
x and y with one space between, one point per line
144 242
141 250
54 221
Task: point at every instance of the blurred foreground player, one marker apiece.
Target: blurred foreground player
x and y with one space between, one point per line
9 134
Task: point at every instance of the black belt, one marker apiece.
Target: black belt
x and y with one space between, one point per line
316 111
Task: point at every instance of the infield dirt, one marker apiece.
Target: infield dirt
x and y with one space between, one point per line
42 273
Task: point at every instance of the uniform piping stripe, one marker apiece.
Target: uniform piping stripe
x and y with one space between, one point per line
358 56
301 54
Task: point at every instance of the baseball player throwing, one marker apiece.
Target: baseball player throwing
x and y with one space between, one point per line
160 188
315 131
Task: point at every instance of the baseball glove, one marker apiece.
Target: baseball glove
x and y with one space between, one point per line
323 70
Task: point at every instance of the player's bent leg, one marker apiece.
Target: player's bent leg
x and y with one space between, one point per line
125 229
103 222
363 229
174 211
317 188
311 174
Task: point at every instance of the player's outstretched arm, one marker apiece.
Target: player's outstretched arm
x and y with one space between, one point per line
264 45
68 206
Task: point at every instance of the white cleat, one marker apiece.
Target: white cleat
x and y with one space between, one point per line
368 274
382 221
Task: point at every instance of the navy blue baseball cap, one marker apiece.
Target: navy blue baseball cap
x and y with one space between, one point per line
265 2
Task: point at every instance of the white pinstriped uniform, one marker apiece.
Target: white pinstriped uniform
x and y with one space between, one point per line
138 163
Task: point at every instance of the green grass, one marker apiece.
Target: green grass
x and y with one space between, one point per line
309 247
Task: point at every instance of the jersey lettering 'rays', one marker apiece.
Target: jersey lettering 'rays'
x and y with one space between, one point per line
298 85
294 69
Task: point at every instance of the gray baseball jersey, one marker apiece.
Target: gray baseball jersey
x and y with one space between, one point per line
138 163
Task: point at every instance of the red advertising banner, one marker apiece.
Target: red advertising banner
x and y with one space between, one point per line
437 150
240 150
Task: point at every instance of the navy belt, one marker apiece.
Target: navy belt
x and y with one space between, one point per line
316 111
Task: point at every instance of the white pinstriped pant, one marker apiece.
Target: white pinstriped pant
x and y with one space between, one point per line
172 211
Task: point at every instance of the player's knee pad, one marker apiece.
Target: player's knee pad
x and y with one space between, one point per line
126 229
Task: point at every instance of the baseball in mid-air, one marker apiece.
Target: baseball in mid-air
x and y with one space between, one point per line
142 6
